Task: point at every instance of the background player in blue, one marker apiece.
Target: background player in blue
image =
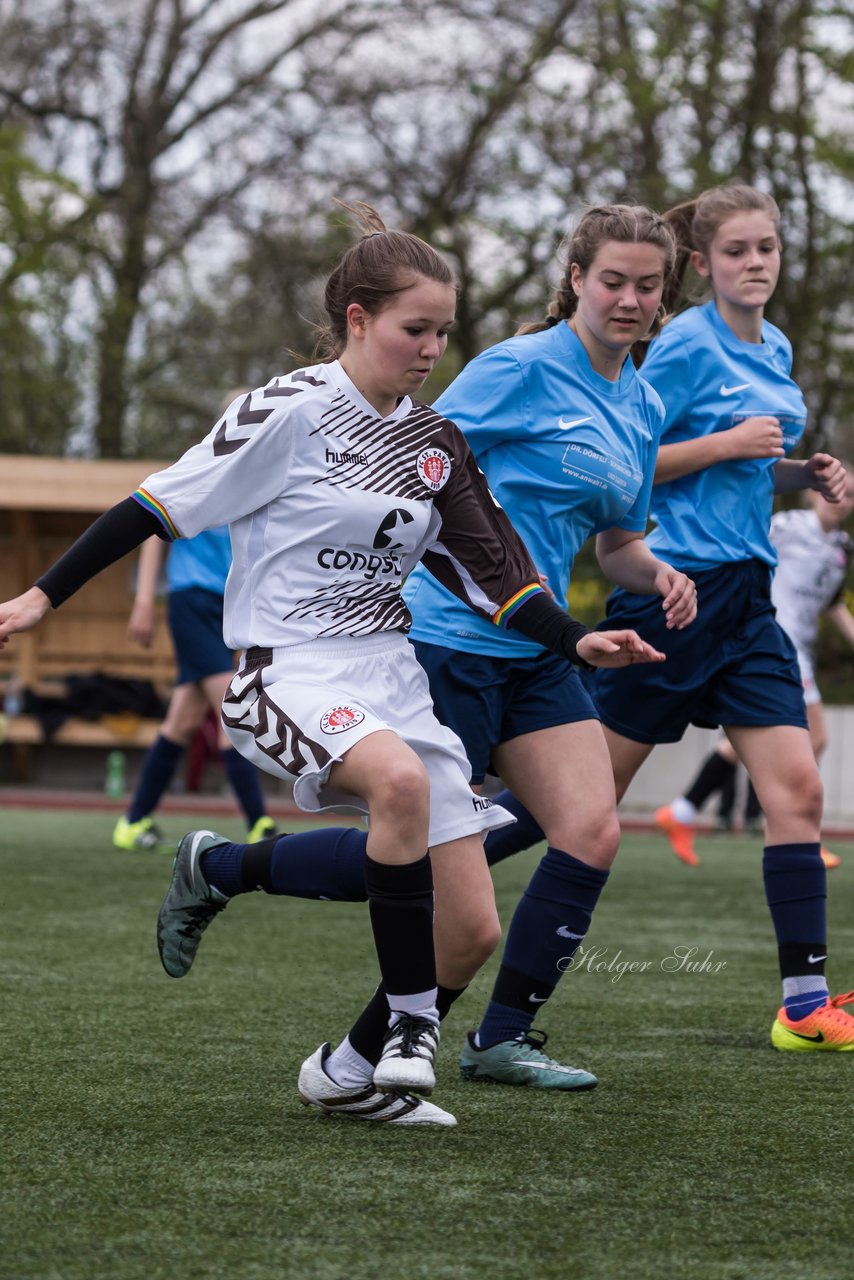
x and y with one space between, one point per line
196 572
733 413
813 555
566 434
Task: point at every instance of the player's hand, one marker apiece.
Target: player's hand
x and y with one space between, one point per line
22 613
616 649
141 625
827 476
679 597
756 438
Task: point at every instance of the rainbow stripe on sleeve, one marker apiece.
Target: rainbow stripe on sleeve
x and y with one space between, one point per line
144 498
505 613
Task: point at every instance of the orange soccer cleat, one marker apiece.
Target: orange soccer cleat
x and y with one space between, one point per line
680 835
826 1028
829 859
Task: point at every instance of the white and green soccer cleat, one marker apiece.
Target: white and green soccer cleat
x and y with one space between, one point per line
521 1061
189 906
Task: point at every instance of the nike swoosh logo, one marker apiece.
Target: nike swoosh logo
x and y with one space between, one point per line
811 959
561 422
538 999
816 1039
730 391
563 932
551 1067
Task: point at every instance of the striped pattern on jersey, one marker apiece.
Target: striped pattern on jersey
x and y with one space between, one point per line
248 708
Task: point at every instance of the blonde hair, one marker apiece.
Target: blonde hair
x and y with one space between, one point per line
380 265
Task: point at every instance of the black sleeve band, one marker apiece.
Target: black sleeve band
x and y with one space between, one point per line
112 536
540 619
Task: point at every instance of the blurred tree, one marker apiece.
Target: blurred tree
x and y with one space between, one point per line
42 249
212 136
169 110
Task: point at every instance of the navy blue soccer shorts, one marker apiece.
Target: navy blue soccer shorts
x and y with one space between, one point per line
734 665
488 700
195 620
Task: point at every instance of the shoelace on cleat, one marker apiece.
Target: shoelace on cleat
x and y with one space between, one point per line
416 1035
199 917
847 998
536 1040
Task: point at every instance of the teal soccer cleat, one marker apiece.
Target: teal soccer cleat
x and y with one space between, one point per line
521 1061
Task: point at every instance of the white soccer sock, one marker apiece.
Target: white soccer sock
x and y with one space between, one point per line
683 811
347 1067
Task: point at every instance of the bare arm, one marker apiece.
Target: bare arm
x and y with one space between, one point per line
820 472
141 624
842 618
753 438
625 558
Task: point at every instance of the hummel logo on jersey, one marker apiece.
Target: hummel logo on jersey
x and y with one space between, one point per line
390 524
481 803
730 391
576 422
353 459
563 932
811 959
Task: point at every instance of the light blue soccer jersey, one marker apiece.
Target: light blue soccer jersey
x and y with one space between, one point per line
709 381
566 454
202 561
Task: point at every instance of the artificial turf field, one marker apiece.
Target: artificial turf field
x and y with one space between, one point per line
152 1127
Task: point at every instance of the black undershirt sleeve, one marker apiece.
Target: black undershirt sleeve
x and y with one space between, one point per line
112 536
540 619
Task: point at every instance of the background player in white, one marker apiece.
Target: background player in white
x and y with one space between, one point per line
813 555
334 484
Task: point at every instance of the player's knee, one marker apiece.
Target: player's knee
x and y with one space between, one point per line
595 838
402 793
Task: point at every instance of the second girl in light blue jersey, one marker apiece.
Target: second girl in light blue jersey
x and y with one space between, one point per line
733 413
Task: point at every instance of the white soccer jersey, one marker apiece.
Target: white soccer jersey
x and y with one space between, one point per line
810 573
330 505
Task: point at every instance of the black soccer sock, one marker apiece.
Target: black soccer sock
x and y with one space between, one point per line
369 1030
712 776
400 900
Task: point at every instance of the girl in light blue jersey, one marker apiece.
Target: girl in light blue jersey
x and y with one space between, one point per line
733 413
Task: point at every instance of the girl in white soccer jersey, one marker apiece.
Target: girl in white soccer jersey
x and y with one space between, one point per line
334 483
732 414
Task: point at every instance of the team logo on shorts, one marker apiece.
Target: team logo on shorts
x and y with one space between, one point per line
337 719
434 469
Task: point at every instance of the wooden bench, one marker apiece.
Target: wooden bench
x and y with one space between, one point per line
45 503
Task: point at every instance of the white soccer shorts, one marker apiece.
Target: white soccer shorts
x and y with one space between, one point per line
295 711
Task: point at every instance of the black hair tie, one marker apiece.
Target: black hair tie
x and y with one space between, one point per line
551 321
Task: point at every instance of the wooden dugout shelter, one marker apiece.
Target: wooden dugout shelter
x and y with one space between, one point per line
45 503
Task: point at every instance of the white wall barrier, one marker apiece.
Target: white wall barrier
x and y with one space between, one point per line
671 768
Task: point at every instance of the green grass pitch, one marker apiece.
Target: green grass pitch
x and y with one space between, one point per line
152 1127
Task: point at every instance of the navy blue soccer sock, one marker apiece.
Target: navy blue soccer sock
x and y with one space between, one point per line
324 864
515 838
245 783
547 927
158 769
796 891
